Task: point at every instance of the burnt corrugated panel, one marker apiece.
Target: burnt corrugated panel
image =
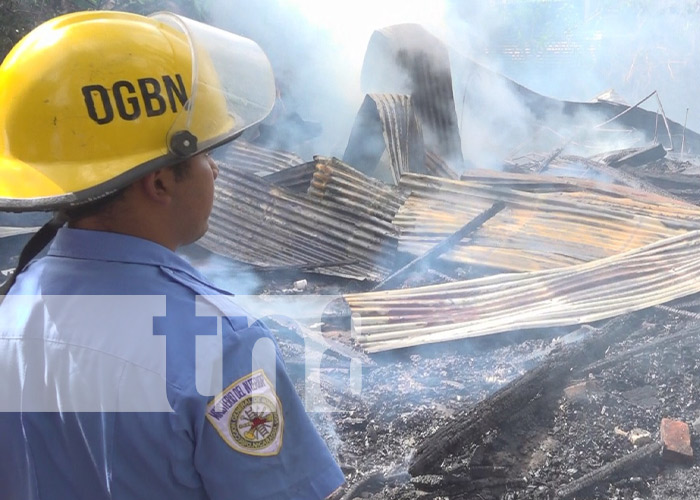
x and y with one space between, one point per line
349 190
361 201
585 168
386 140
402 133
536 230
663 271
437 167
542 183
407 59
297 179
267 226
248 157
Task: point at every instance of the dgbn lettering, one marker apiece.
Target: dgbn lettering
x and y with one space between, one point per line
131 99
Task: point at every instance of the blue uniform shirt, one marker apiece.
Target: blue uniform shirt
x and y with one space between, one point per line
253 440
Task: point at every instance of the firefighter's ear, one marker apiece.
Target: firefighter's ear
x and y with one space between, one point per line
157 185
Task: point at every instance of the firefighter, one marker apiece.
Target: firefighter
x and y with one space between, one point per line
107 119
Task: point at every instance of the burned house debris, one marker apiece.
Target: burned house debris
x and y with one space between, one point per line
524 322
341 226
517 324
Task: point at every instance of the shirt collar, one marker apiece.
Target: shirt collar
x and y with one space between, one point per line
115 247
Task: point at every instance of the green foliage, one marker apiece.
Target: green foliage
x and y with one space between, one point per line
19 17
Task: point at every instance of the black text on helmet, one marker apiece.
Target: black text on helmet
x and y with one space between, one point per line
131 98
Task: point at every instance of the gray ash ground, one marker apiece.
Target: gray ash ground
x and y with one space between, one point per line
408 394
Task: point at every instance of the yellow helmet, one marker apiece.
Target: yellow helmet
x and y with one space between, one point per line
91 101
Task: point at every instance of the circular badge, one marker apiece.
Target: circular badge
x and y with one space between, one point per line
254 423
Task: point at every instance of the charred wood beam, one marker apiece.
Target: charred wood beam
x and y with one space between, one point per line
634 106
444 246
609 471
551 376
636 157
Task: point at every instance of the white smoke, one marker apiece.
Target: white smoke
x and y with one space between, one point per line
565 49
317 47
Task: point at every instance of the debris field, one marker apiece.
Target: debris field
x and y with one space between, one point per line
526 331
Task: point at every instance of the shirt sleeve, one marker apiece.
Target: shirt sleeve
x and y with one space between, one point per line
254 440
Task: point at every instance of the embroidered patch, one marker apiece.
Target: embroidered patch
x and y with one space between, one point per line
248 416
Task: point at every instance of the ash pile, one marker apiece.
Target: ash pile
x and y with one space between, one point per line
528 330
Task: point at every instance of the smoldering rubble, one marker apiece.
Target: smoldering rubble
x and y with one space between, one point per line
525 331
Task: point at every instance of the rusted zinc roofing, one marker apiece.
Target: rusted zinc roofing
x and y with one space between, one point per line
437 167
547 223
296 179
586 168
660 272
546 182
337 184
363 203
341 228
248 157
386 140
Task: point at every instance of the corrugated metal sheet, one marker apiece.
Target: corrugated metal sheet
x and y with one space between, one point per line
247 157
554 224
296 179
339 185
437 167
343 219
576 166
361 201
407 59
663 271
386 140
356 225
547 182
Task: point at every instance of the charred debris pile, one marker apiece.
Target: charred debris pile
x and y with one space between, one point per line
529 331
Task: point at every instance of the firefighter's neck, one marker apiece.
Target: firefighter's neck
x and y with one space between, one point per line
145 211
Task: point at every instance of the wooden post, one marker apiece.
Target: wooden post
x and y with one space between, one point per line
444 245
